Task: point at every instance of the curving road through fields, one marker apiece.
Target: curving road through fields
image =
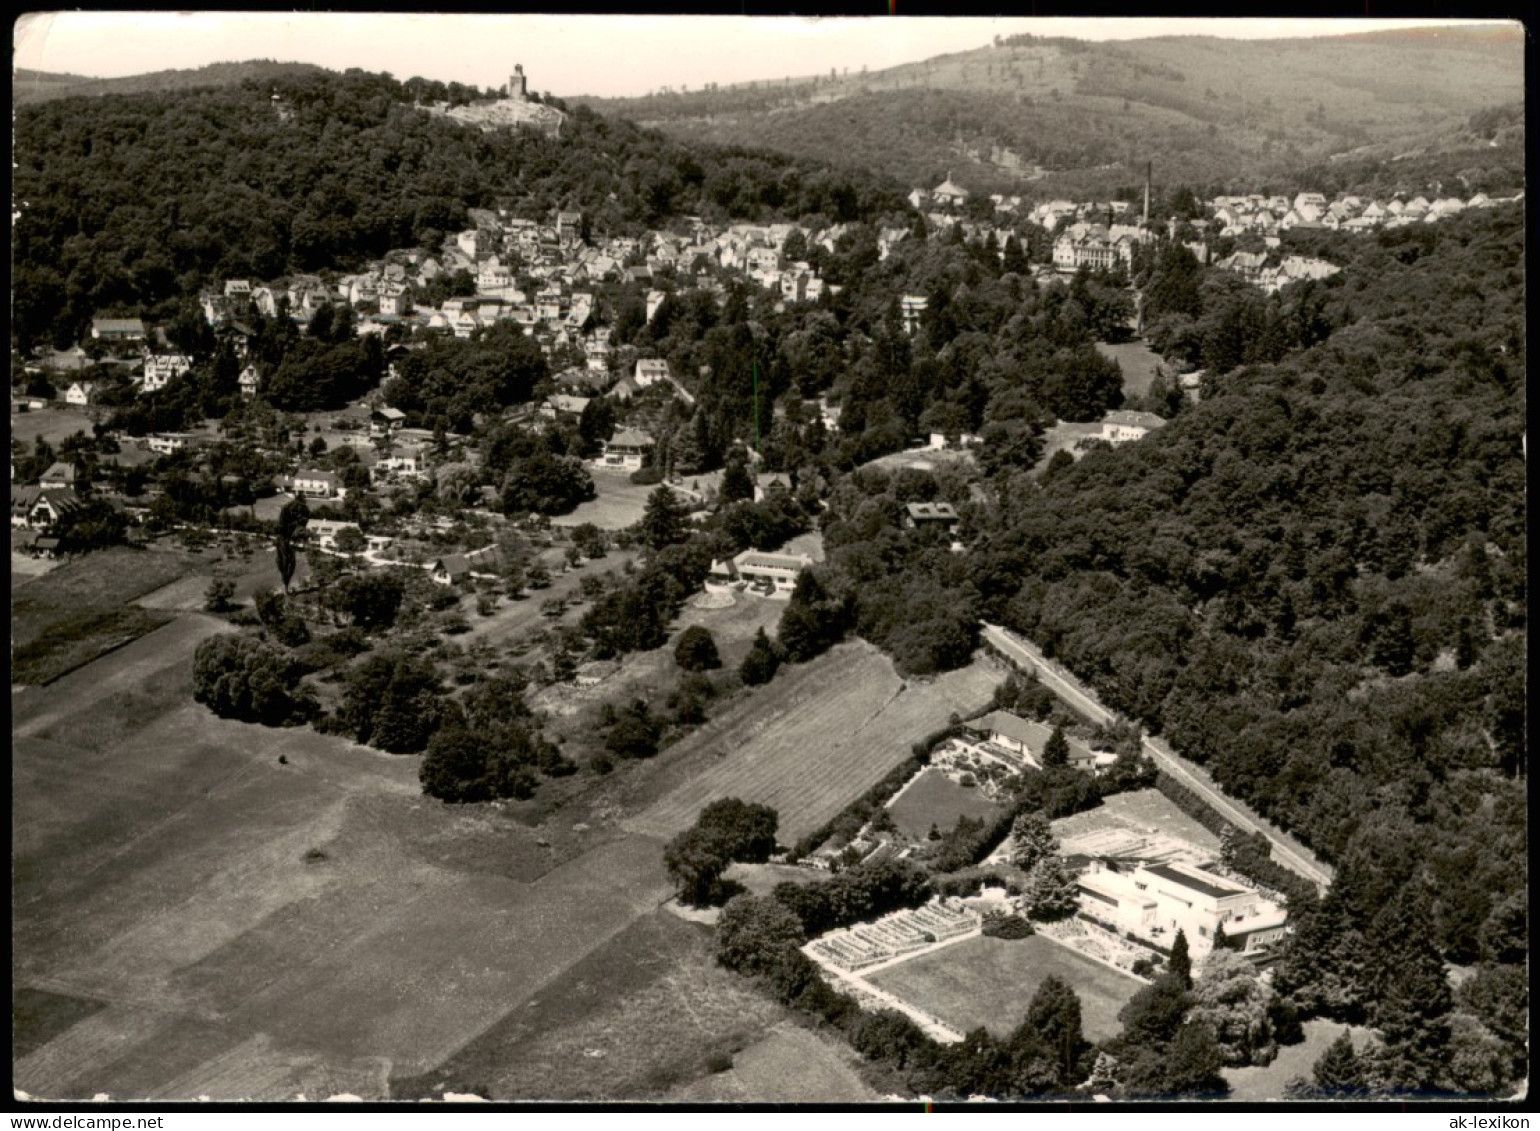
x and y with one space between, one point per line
1286 850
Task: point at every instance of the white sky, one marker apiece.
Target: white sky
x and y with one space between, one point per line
571 55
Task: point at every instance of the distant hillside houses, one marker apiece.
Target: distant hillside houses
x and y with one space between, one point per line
1258 268
1269 215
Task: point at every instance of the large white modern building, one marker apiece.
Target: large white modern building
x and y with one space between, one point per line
1155 900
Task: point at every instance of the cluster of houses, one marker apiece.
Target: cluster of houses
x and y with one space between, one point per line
1270 215
537 275
1272 273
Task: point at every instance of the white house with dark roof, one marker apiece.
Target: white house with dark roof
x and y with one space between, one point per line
1123 426
317 484
627 450
323 531
164 443
117 329
160 368
778 572
917 515
80 393
449 569
949 194
1028 739
650 370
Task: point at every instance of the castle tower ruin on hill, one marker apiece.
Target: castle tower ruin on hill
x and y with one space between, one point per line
518 84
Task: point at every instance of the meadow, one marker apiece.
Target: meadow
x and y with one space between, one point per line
1138 362
990 982
814 739
209 907
933 799
83 608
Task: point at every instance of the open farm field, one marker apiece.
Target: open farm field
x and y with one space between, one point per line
52 424
83 608
791 1065
638 1015
24 567
1137 361
1143 810
818 736
191 917
990 982
934 799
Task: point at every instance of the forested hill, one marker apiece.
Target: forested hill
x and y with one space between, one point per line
133 203
1314 582
1223 111
31 87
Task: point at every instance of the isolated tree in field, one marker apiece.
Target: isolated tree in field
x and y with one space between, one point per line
695 861
663 520
1032 839
283 552
1056 750
590 541
697 650
760 665
293 520
217 599
745 830
754 934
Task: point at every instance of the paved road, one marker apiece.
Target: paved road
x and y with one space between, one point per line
1285 849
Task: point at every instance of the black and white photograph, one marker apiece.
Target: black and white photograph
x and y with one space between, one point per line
714 561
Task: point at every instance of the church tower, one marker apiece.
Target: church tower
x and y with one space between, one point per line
517 88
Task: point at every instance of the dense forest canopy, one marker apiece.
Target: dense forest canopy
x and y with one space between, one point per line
1314 582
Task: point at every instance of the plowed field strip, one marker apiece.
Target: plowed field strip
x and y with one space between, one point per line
812 745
